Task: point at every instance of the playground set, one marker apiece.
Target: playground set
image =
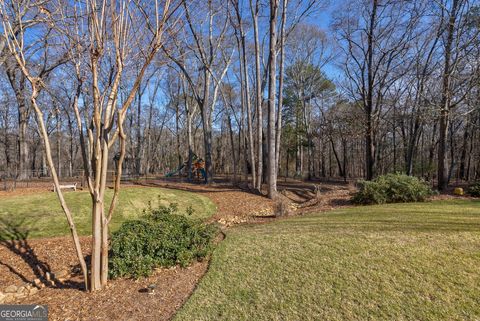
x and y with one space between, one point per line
198 168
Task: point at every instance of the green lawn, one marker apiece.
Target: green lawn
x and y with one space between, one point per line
42 215
392 262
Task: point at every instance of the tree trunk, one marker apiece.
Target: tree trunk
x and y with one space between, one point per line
280 86
23 117
442 172
344 143
232 143
272 178
431 150
369 134
56 182
339 164
59 160
190 145
138 126
96 263
177 134
463 157
258 95
246 97
207 129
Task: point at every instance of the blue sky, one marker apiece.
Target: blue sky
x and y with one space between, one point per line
323 18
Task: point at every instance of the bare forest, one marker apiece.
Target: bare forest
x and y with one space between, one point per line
259 90
249 91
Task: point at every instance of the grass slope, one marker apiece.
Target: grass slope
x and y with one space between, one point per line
42 215
393 262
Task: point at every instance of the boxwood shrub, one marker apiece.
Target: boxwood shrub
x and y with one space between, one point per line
392 188
161 238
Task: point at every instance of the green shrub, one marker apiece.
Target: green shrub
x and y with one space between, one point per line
392 188
162 238
369 192
474 189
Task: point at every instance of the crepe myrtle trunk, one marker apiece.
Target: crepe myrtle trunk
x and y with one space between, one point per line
95 269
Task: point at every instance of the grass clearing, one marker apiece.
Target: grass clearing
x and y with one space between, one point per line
415 261
42 215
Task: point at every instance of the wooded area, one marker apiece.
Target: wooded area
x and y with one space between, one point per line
258 89
252 90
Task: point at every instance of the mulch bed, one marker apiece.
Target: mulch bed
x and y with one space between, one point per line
235 204
124 299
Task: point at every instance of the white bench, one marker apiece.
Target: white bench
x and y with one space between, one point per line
69 186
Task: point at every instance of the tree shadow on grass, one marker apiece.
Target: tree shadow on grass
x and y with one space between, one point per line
14 237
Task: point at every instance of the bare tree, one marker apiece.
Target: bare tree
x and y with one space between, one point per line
104 25
272 88
455 51
245 88
375 42
209 53
255 11
278 132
